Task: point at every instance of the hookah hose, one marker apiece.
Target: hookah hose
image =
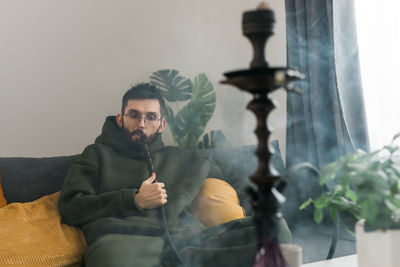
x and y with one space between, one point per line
150 168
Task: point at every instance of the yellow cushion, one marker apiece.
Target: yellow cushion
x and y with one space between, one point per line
216 203
3 201
31 234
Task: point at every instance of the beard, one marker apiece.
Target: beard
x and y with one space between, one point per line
149 139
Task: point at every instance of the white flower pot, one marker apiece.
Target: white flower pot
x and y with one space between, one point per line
377 248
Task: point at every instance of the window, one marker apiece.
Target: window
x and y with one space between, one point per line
378 27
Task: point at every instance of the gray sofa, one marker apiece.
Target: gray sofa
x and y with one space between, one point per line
27 179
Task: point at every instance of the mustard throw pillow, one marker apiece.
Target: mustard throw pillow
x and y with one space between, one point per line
216 203
3 201
31 234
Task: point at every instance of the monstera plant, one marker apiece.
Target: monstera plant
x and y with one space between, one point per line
188 124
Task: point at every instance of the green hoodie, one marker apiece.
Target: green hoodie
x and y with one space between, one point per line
98 193
98 196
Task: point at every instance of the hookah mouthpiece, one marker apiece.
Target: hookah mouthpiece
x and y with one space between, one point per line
146 154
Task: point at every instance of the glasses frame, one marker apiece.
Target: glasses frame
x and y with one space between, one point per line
144 117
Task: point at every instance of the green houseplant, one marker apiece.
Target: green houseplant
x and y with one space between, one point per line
359 186
188 123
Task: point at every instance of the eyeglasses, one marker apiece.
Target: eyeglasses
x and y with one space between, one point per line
149 118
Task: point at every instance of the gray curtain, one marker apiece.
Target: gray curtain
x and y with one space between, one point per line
329 119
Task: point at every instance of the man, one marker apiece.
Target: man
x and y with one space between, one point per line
108 193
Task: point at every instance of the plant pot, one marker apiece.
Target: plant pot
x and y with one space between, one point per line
377 248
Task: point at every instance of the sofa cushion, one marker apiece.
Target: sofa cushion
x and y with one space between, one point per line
216 203
27 179
3 201
238 164
34 235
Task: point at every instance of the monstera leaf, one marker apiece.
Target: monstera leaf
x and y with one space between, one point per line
173 87
189 124
203 91
191 120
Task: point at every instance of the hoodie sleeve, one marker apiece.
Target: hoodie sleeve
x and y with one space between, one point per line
80 202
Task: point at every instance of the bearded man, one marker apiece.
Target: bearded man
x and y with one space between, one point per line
108 193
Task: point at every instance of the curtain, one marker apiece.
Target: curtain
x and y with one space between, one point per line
329 119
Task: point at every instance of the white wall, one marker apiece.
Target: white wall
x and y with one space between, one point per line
65 64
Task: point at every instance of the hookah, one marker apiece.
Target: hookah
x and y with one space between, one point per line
260 80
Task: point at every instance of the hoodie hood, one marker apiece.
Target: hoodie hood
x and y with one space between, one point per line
115 137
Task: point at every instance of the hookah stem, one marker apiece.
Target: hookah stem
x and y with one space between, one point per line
167 235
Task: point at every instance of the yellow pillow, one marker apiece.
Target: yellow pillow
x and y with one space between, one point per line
216 203
31 234
3 201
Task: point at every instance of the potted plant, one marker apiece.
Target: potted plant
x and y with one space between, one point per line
189 122
365 188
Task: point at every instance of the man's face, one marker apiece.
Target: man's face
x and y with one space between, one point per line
141 117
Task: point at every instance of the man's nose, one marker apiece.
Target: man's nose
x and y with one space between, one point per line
142 122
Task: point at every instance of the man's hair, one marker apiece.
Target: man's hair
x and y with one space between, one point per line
143 91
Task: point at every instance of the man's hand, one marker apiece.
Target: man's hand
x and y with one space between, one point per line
151 195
